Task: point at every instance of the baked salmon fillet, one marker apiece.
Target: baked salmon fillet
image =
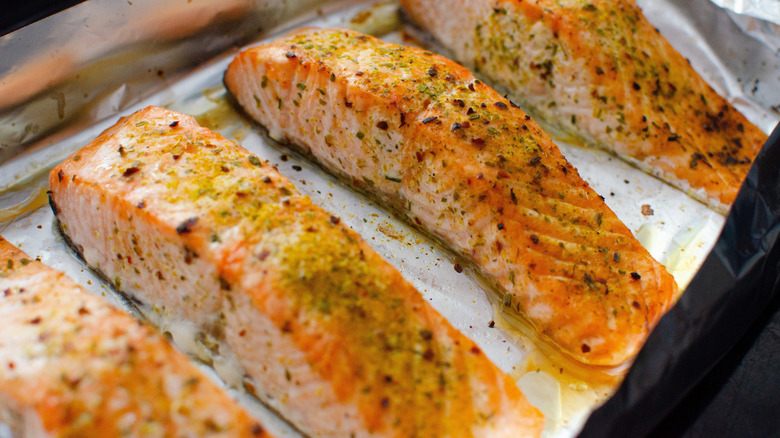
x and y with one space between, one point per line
314 322
446 152
598 73
73 366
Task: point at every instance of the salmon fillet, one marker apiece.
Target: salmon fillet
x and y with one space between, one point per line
597 72
600 74
313 321
449 154
73 366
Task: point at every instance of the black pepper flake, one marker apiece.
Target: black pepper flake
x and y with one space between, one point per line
263 254
480 176
284 157
334 220
635 275
483 105
616 257
223 284
475 350
635 304
500 105
432 72
491 323
290 54
455 126
585 348
36 320
674 137
186 226
527 117
429 119
458 268
348 104
513 196
477 141
358 73
297 168
130 171
534 239
427 335
470 111
636 86
257 430
449 77
514 104
471 86
174 124
459 102
224 168
60 175
535 160
267 180
385 402
428 354
141 204
382 125
500 226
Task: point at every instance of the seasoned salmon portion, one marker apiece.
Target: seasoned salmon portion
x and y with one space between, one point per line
303 313
598 73
448 153
73 366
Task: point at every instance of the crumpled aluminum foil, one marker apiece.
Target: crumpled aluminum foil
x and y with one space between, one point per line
768 10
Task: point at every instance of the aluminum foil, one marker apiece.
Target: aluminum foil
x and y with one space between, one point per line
65 79
768 10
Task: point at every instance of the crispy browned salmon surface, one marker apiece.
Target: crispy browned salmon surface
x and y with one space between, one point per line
320 327
598 72
73 366
452 156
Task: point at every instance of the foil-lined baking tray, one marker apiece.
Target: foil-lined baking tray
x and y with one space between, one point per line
65 79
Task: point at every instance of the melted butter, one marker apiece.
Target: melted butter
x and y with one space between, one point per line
22 198
222 116
561 396
564 390
378 20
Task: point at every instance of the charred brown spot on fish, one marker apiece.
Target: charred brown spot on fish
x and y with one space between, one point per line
186 226
131 171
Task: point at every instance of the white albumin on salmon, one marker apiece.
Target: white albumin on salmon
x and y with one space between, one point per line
449 154
315 324
73 366
598 73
